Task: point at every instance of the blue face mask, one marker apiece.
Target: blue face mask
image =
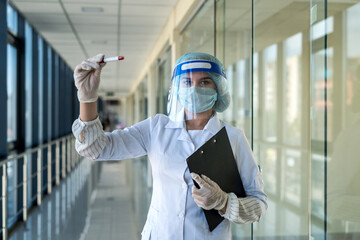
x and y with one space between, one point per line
196 99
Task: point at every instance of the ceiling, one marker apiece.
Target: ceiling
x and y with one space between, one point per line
122 27
131 28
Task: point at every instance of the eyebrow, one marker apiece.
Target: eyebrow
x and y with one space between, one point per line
206 78
203 78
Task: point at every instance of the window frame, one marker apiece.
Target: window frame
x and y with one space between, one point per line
18 43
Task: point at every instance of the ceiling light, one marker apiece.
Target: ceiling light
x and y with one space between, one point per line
92 9
103 42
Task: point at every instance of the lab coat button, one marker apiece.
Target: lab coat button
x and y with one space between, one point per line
181 215
184 185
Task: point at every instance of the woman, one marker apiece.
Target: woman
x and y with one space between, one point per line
199 89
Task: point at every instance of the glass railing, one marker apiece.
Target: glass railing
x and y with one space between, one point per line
28 176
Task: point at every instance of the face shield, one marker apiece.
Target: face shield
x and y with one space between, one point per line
197 86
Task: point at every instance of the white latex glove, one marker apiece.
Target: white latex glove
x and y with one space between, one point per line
87 78
210 195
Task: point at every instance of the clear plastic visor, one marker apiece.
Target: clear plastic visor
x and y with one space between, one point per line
193 92
192 96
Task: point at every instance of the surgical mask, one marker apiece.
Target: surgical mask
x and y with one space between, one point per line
196 99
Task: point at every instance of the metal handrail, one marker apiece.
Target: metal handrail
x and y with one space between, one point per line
32 150
69 158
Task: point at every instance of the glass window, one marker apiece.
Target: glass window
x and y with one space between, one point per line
343 123
145 92
229 114
318 29
50 97
28 84
56 95
199 34
12 117
292 89
301 72
270 93
41 86
163 82
292 175
317 187
11 18
141 100
241 96
233 48
256 97
280 92
272 171
318 97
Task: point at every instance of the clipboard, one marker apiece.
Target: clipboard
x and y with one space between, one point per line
216 160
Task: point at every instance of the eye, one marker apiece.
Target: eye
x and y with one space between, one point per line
186 82
205 82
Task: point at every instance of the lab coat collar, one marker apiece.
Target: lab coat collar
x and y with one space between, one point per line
213 125
175 124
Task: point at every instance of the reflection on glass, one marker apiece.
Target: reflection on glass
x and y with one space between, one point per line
343 165
256 97
233 47
39 223
270 164
317 92
12 193
317 133
292 89
199 34
30 193
242 97
319 29
279 95
331 94
270 93
317 186
57 212
11 93
49 222
292 179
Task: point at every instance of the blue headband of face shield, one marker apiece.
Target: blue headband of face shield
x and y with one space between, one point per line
197 66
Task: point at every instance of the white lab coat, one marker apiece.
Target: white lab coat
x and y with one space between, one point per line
173 213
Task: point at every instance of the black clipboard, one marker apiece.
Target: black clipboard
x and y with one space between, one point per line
216 160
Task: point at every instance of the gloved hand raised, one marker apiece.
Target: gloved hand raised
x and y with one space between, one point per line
87 78
210 195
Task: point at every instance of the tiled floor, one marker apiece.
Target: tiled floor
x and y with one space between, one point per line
111 212
74 212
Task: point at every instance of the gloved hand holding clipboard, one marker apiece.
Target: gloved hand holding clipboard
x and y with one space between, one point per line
216 160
